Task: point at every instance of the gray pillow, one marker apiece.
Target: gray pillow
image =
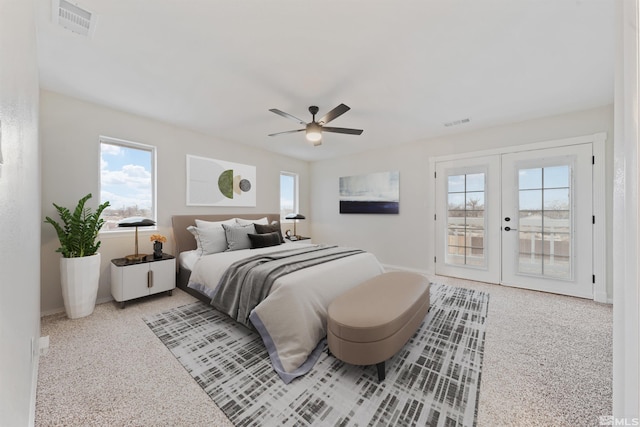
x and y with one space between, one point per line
209 240
237 236
264 240
271 228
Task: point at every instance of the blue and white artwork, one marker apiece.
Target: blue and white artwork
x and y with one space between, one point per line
376 193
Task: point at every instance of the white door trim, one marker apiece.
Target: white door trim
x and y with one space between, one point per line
599 200
490 271
600 227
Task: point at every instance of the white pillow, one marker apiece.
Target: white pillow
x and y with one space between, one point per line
208 224
263 221
209 240
238 236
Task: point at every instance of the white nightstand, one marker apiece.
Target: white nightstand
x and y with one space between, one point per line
300 240
135 279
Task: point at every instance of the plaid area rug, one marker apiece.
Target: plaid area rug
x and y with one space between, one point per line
433 381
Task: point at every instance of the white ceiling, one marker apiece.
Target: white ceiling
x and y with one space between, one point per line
404 67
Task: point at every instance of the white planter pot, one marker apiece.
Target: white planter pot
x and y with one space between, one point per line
80 278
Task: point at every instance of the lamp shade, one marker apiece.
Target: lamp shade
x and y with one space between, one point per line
295 216
136 221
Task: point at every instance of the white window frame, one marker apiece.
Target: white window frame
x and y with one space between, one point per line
138 146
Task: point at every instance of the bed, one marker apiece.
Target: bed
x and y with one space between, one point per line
291 314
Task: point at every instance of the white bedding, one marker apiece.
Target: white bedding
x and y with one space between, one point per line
187 259
292 319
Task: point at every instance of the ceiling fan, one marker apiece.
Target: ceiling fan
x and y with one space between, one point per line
315 128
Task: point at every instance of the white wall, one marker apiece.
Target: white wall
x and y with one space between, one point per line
626 317
19 213
406 240
70 129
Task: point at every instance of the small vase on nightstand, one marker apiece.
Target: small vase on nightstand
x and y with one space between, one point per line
157 250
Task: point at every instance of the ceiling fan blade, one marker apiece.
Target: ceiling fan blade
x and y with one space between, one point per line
287 115
342 130
333 114
288 131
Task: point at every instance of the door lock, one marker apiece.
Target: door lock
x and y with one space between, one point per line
507 219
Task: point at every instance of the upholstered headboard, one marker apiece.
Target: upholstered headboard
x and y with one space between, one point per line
184 240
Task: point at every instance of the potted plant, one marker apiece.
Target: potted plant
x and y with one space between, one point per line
80 262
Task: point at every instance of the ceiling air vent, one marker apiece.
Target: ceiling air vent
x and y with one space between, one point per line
457 122
73 17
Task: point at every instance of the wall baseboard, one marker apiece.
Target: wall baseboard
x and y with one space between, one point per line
34 388
389 267
601 298
61 309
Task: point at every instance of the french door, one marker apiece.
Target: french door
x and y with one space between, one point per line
547 220
521 219
468 219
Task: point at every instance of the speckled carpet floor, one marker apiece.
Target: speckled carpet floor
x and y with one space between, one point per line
433 380
547 362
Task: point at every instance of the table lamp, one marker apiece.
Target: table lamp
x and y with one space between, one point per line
136 222
295 217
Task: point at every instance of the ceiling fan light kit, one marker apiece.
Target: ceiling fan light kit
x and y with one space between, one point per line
314 129
314 133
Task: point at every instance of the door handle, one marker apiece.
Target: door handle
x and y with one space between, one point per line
510 229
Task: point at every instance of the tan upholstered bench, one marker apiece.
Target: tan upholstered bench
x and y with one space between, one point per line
371 322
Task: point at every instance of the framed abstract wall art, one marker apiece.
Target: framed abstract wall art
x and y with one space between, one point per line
212 182
374 193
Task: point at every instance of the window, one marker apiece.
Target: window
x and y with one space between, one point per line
288 194
466 219
127 180
545 221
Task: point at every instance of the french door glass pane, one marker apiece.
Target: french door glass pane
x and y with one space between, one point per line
545 221
455 184
530 178
556 199
530 263
466 220
530 200
556 176
475 182
456 201
475 200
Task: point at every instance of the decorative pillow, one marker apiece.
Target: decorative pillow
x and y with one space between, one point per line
209 224
243 221
264 240
274 227
209 240
237 236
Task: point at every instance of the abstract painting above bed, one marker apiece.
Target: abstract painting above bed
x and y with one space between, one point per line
212 182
